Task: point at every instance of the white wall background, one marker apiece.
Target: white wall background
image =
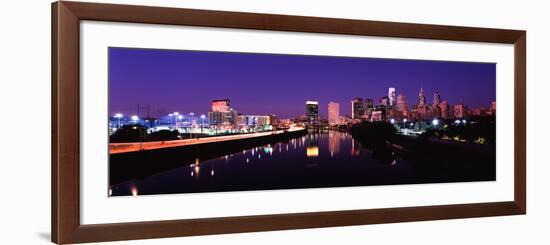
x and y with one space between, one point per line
25 103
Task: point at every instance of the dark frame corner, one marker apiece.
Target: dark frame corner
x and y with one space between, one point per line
66 227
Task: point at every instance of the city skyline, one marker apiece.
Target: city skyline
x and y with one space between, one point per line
187 81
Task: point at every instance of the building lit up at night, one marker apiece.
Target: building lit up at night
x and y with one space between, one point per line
333 113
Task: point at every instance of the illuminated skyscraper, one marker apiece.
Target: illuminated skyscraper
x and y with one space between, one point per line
402 105
357 108
436 110
384 101
221 105
333 113
221 113
369 107
218 118
444 108
421 97
459 111
312 112
421 108
384 107
392 97
437 99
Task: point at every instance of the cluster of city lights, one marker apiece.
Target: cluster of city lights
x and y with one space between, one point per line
435 121
176 115
458 121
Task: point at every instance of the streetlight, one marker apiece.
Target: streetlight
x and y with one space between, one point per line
464 121
135 119
176 115
392 121
404 122
202 121
118 116
191 126
435 122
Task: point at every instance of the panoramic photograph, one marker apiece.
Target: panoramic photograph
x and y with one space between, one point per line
184 121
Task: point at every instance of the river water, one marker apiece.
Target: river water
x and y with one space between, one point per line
318 159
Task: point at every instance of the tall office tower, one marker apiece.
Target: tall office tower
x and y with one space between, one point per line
221 113
369 107
312 112
392 97
444 108
459 111
421 107
421 97
357 108
437 99
384 107
402 105
436 110
333 113
384 101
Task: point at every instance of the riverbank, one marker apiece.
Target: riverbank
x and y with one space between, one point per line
161 157
117 148
432 157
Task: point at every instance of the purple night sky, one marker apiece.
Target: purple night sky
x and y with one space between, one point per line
187 81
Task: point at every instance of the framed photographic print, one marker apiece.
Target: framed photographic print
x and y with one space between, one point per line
176 122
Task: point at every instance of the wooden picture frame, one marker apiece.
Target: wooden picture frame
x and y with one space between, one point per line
65 175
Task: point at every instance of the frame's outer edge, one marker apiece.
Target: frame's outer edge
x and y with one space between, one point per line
66 227
54 129
275 22
520 126
209 226
65 119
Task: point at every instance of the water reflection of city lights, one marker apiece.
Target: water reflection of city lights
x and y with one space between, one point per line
247 160
134 191
212 173
192 174
312 151
268 149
